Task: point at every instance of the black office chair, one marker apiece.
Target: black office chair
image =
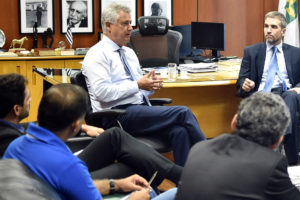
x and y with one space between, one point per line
108 118
154 44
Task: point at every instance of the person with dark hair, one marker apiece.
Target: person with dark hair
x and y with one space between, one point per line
115 81
156 9
42 150
243 165
14 106
273 66
101 154
77 14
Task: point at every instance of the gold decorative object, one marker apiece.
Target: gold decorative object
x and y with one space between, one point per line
19 42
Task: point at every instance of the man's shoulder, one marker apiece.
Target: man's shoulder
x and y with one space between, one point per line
8 131
255 46
287 47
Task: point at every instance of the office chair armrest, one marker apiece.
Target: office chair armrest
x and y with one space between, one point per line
160 101
104 118
78 143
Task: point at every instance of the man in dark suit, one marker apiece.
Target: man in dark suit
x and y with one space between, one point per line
263 70
243 165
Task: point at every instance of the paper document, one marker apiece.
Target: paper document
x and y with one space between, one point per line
294 174
199 67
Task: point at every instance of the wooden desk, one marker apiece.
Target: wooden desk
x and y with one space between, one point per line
210 96
24 65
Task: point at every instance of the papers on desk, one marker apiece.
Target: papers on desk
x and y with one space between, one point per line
198 67
294 174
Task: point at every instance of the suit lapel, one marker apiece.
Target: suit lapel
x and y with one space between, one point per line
287 58
260 60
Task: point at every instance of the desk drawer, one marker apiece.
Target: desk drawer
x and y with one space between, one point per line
56 64
73 64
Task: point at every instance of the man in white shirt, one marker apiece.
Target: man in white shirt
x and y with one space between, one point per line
256 70
115 82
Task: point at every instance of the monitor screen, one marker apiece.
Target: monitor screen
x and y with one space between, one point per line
186 45
206 35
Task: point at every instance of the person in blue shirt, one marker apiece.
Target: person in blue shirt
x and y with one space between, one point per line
100 155
43 151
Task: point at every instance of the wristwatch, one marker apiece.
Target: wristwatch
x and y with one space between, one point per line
112 186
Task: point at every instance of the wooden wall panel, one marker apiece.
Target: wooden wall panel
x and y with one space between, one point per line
243 20
184 11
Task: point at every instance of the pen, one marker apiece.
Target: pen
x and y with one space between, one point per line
152 178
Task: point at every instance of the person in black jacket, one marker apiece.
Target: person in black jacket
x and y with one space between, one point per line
254 74
243 165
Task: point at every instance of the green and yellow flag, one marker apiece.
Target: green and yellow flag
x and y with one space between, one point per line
290 9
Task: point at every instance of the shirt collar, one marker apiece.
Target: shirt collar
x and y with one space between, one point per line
44 135
13 125
279 46
114 46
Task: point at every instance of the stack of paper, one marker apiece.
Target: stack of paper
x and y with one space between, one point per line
294 174
199 67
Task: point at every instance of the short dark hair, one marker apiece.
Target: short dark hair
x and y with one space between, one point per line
12 92
262 118
61 105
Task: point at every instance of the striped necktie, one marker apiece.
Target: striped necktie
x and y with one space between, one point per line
131 74
272 71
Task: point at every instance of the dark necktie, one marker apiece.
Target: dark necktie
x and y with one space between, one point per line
131 74
272 71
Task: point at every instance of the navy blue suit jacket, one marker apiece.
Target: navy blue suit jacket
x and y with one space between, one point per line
253 66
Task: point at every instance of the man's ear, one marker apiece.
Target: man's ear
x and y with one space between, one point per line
274 146
108 28
233 123
76 126
16 110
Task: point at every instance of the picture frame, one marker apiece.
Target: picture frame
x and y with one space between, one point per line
160 8
132 4
79 14
40 12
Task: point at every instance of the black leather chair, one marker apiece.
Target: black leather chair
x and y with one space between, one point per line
18 182
154 44
108 118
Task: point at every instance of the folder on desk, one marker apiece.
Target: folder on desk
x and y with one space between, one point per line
199 67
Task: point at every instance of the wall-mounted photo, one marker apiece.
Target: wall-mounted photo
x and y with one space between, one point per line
36 15
159 8
77 14
130 3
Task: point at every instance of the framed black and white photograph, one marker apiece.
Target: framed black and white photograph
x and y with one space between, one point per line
78 14
130 3
159 8
36 15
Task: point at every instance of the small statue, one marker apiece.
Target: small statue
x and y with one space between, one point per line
46 34
20 42
35 36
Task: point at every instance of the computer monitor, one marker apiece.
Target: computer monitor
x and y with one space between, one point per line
207 35
186 45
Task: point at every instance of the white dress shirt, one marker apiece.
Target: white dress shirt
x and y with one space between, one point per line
281 65
106 78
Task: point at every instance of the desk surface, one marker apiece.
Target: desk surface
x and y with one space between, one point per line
40 58
226 74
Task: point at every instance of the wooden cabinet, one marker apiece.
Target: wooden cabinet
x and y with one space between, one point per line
26 65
